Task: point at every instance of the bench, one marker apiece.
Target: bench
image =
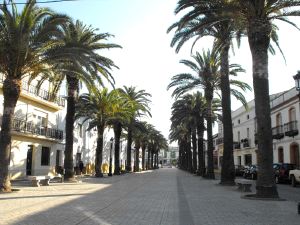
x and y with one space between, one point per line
244 185
45 180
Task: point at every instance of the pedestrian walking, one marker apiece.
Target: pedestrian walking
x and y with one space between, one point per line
81 167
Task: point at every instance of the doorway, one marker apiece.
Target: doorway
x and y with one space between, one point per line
29 160
294 154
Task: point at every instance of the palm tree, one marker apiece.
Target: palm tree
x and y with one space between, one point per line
202 20
122 115
139 100
207 77
84 66
258 17
25 38
183 117
98 108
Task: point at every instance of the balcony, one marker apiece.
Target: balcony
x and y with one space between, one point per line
219 141
277 132
246 143
29 128
291 129
38 92
236 145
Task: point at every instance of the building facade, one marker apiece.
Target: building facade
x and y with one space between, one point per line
38 136
285 113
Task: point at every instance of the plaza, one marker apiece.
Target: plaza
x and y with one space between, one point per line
165 196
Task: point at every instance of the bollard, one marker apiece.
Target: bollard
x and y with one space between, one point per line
298 207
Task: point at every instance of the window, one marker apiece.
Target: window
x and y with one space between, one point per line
280 155
248 132
239 136
278 119
239 121
248 117
45 158
80 130
292 114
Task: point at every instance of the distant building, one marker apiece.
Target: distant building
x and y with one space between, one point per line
169 156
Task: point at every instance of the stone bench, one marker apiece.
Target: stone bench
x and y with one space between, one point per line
244 185
44 180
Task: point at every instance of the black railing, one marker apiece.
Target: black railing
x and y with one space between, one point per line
41 93
291 128
23 126
236 145
219 141
246 142
277 132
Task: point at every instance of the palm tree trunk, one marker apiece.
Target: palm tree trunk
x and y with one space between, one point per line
70 119
151 162
129 143
143 157
201 160
189 155
228 172
137 159
259 39
11 93
148 158
99 152
210 163
117 132
194 141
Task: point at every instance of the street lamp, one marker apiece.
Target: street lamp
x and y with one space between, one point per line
110 157
297 81
297 85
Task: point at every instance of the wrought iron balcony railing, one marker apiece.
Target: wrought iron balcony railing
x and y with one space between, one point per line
236 145
41 93
29 127
277 132
219 141
291 128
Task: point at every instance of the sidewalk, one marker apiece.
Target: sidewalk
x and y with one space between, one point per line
165 196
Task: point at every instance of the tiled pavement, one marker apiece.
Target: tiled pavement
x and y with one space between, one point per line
164 196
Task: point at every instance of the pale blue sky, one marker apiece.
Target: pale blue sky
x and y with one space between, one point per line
148 62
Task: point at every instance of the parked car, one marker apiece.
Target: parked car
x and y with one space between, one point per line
281 171
294 176
251 172
239 170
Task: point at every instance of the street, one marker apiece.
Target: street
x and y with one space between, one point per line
167 196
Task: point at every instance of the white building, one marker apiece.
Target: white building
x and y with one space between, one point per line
38 136
284 114
170 156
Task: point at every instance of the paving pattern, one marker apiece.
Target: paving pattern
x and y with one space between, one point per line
161 197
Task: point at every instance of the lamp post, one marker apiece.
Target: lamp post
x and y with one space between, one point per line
110 157
297 85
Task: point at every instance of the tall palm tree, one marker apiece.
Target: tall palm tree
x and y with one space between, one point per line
258 17
140 105
123 114
206 70
98 108
86 66
25 38
200 21
183 117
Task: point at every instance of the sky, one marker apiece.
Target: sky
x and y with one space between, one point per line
146 59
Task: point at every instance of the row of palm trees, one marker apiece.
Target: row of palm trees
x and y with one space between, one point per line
120 109
190 111
225 20
40 44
